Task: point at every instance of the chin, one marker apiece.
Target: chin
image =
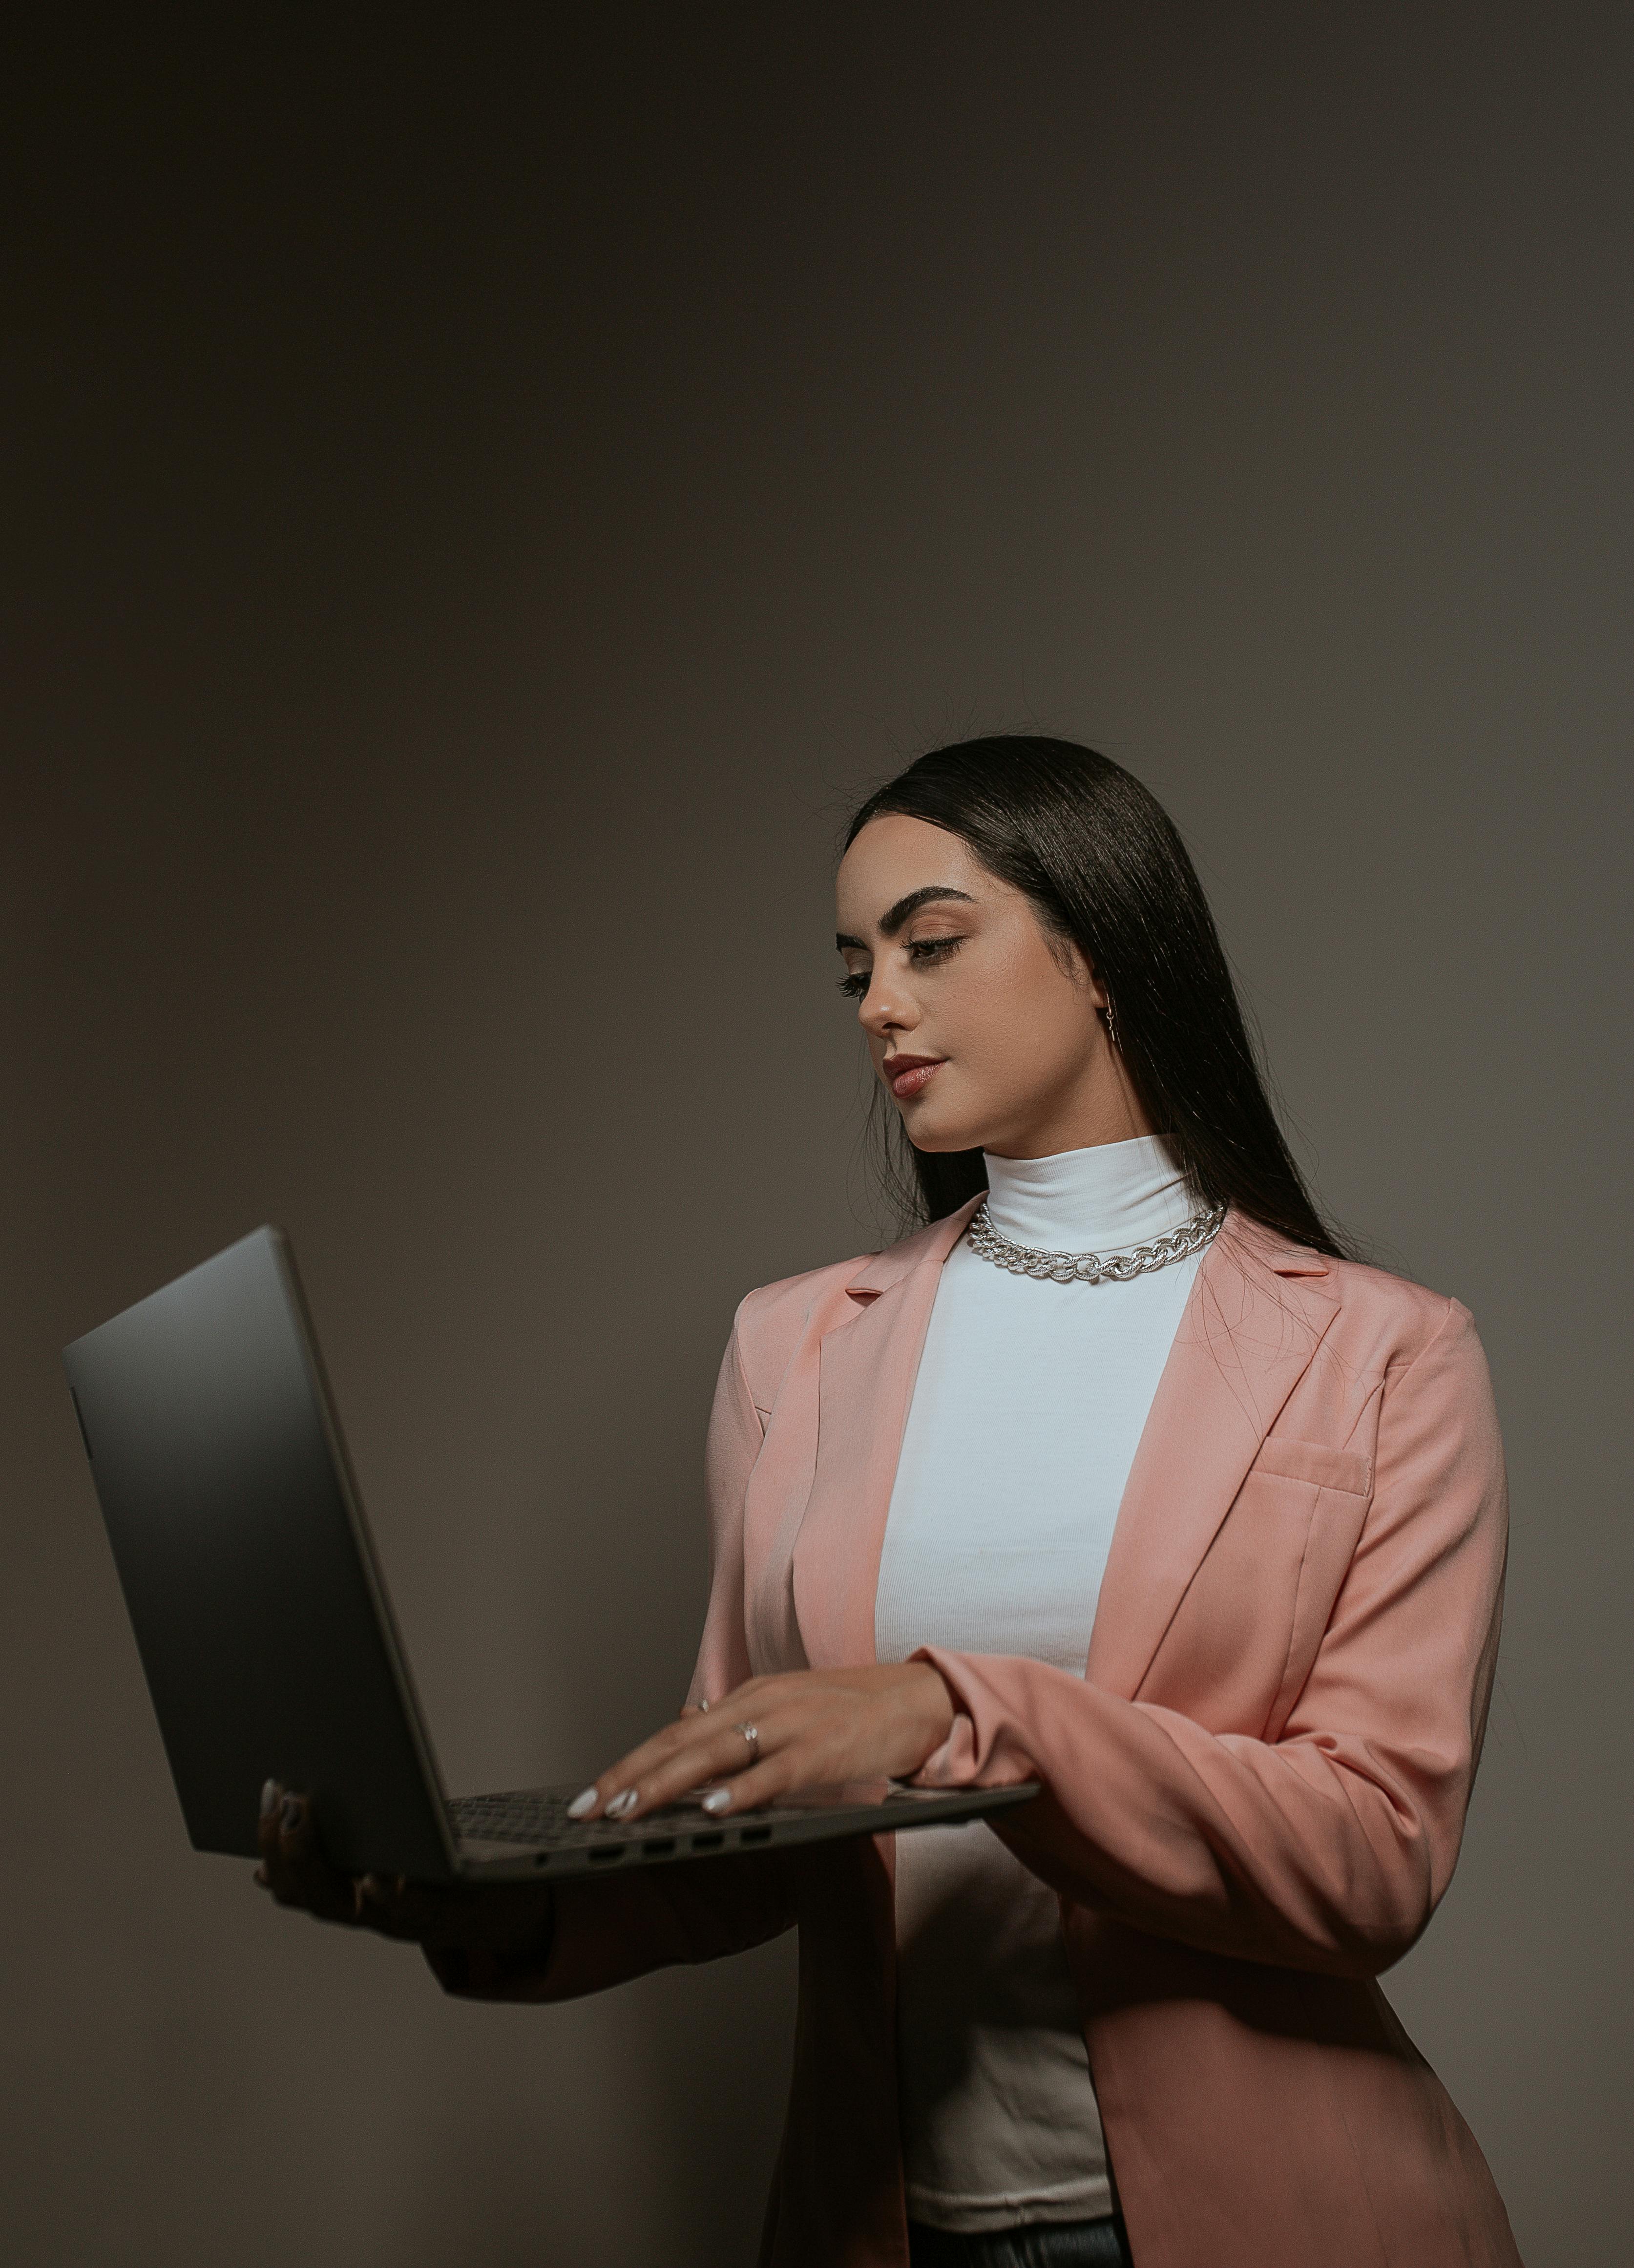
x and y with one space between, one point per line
939 1138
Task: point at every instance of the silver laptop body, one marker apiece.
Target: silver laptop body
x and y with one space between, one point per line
264 1627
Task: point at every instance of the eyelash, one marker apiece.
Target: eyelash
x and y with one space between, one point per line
927 951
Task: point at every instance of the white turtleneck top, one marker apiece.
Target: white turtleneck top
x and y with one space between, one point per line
1029 1401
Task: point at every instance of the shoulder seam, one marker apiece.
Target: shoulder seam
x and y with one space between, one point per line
1455 1312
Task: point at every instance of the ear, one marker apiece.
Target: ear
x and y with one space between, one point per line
1077 964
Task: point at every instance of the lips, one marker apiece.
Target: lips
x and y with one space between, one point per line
908 1076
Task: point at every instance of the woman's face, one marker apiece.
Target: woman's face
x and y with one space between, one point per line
984 1028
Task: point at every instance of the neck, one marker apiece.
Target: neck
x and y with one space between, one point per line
1101 1108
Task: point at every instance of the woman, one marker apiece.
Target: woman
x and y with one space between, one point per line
1119 1475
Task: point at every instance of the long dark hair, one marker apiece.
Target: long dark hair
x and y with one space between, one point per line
1103 863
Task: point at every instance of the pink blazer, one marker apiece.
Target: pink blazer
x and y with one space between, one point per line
1254 1793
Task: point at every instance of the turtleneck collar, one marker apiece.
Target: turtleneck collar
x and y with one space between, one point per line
1099 1200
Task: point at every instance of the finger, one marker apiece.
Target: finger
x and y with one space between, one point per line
684 1754
723 1751
752 1702
267 1830
274 1873
297 1872
748 1789
724 1754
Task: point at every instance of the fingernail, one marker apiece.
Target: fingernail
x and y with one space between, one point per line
718 1800
621 1806
290 1817
581 1804
268 1797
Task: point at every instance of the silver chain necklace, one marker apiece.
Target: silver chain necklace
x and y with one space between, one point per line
1092 1267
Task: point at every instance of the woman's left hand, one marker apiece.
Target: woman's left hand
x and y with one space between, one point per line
812 1729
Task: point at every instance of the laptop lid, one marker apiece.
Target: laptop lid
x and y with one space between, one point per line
259 1612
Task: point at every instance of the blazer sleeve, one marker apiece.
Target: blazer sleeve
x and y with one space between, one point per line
607 1931
1328 1847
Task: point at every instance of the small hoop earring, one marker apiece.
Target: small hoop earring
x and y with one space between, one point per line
1112 1028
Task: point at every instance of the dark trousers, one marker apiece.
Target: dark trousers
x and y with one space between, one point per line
1040 2244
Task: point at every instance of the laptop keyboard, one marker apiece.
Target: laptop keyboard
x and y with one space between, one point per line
534 1821
538 1817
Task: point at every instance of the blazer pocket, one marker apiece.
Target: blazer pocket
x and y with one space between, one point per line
1345 1469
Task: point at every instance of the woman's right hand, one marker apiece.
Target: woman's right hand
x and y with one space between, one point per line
507 1918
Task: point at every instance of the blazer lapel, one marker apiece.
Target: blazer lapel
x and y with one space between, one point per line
868 1363
1256 1315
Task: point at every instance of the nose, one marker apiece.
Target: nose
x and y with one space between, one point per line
883 1009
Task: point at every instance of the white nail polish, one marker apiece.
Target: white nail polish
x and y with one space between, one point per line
581 1804
621 1806
717 1799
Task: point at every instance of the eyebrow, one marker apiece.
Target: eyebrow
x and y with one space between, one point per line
891 922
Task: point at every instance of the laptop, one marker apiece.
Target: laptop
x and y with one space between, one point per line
264 1629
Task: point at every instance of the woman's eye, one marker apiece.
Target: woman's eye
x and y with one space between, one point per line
923 952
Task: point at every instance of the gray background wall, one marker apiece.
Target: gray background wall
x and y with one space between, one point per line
478 506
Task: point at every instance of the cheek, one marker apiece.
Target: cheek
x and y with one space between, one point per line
1021 1024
